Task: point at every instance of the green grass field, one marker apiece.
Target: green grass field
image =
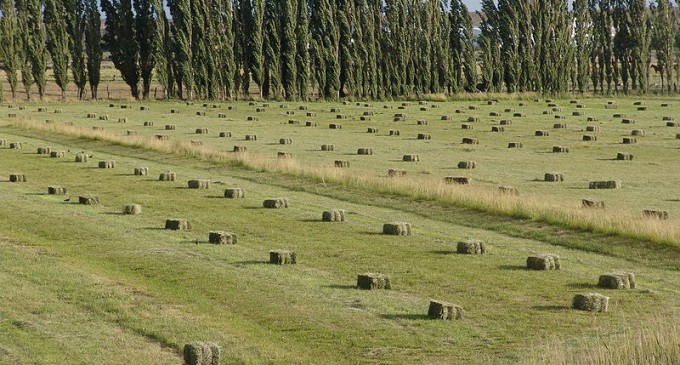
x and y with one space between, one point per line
87 284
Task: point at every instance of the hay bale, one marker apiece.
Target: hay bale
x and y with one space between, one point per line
589 138
656 214
327 147
547 112
335 110
88 200
627 121
240 149
225 134
397 229
221 115
577 114
475 247
110 164
275 203
284 155
341 163
97 128
472 119
92 115
311 124
672 124
546 261
609 184
170 127
334 215
222 238
468 140
285 141
148 124
560 149
394 133
518 115
497 129
234 193
509 110
201 130
372 130
365 151
122 120
624 156
421 122
629 140
466 126
167 176
161 137
642 108
677 136
310 114
82 157
282 257
303 107
17 177
131 132
617 280
541 133
56 190
590 203
335 126
508 190
340 116
103 117
444 310
12 115
400 115
667 119
592 128
141 171
396 173
132 209
3 142
505 122
446 117
637 132
174 111
198 184
44 150
460 180
494 114
559 126
467 165
370 281
201 353
515 145
15 146
200 113
592 302
553 177
177 224
591 119
410 158
619 115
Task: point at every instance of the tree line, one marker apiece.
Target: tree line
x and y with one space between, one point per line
364 49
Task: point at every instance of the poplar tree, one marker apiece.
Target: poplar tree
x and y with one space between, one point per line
289 9
145 31
255 37
271 83
326 35
583 43
346 51
490 46
182 35
10 51
162 40
302 40
225 53
664 39
75 26
58 42
93 45
33 36
122 42
510 36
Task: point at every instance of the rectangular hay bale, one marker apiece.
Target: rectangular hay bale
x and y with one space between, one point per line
371 281
444 310
282 257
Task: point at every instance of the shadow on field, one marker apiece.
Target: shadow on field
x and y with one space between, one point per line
582 285
340 286
311 220
250 262
371 233
407 316
551 308
443 252
512 267
36 194
673 200
154 228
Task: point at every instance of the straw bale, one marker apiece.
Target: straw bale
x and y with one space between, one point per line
275 203
327 147
590 203
476 247
365 151
88 200
657 214
617 280
444 310
395 173
132 209
592 302
198 184
17 177
508 190
177 224
141 171
82 157
222 238
546 261
167 176
282 257
460 180
201 353
553 177
397 229
56 190
234 193
624 156
370 281
609 184
515 145
467 165
560 149
110 164
411 158
334 215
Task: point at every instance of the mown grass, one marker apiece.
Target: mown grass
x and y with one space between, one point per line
167 290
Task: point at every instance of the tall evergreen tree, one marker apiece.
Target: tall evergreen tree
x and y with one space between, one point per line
664 39
33 33
256 43
58 42
93 47
122 41
226 57
583 28
10 41
509 33
145 31
75 26
163 47
462 40
271 83
289 9
326 35
553 34
490 46
180 10
302 41
345 19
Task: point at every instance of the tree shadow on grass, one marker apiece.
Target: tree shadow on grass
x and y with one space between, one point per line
371 233
582 285
340 286
551 308
406 316
443 252
250 262
512 267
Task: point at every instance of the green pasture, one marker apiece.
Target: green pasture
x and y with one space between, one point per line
87 284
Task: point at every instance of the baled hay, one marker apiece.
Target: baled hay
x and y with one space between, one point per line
44 150
508 190
642 108
82 157
546 261
446 117
57 154
624 156
560 149
104 117
240 149
629 140
141 171
577 114
609 184
591 119
42 109
496 128
672 124
161 137
474 247
311 114
222 238
422 122
88 200
284 155
592 302
637 132
122 120
282 257
394 133
17 177
467 140
12 115
285 141
656 214
143 108
92 115
341 163
335 110
618 280
198 184
494 114
560 126
400 115
200 113
424 136
467 126
170 127
130 132
167 176
397 229
335 126
509 110
547 112
638 103
340 116
148 123
542 133
15 146
132 209
592 128
221 115
174 111
472 119
252 119
370 281
311 124
201 353
177 224
225 134
467 165
619 115
515 145
518 115
56 190
334 215
423 109
97 128
372 130
627 121
411 158
275 203
505 122
327 147
3 142
396 173
590 203
196 142
234 193
368 113
110 164
303 107
588 137
473 107
444 310
460 180
201 130
677 136
293 122
553 177
365 151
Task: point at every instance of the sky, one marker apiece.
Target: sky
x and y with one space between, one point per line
473 5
